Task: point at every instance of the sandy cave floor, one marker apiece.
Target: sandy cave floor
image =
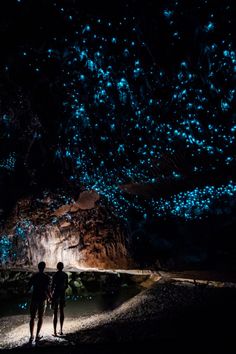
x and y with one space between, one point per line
167 310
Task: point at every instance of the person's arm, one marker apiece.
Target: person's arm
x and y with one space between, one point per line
53 284
48 289
66 281
30 284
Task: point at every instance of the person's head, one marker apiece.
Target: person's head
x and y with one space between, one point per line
60 265
41 266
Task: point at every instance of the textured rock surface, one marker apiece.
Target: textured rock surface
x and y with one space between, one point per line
80 233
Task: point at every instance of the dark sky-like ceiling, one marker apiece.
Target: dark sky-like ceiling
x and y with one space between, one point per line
133 100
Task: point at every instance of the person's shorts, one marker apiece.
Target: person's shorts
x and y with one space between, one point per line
58 301
37 307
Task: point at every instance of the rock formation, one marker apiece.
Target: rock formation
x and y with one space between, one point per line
82 233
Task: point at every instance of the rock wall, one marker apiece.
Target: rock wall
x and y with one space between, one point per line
53 228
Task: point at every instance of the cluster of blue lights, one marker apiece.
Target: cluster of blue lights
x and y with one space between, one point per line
26 228
5 248
23 229
128 119
197 202
118 131
9 162
23 305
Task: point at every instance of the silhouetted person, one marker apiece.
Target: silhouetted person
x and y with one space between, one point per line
40 282
59 286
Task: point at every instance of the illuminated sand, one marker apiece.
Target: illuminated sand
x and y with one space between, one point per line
19 335
14 330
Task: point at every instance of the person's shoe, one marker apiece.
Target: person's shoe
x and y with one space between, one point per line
61 333
31 339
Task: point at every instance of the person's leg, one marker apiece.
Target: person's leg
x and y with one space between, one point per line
31 328
55 318
61 317
39 326
33 310
41 309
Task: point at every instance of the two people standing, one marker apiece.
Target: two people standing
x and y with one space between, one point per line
43 291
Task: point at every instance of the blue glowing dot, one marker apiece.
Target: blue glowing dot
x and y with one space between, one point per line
68 153
224 106
87 28
209 27
226 53
167 13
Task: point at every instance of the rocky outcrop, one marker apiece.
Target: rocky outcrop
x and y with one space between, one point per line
81 234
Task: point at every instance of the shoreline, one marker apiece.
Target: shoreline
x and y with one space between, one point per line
166 310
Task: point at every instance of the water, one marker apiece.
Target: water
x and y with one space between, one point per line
75 305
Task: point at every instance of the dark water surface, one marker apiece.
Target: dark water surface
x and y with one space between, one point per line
75 305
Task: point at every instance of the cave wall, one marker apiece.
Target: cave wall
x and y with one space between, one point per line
81 233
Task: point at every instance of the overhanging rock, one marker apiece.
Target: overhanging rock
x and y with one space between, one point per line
82 233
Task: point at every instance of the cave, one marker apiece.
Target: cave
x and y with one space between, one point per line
117 161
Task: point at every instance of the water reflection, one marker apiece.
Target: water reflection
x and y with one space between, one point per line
82 305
